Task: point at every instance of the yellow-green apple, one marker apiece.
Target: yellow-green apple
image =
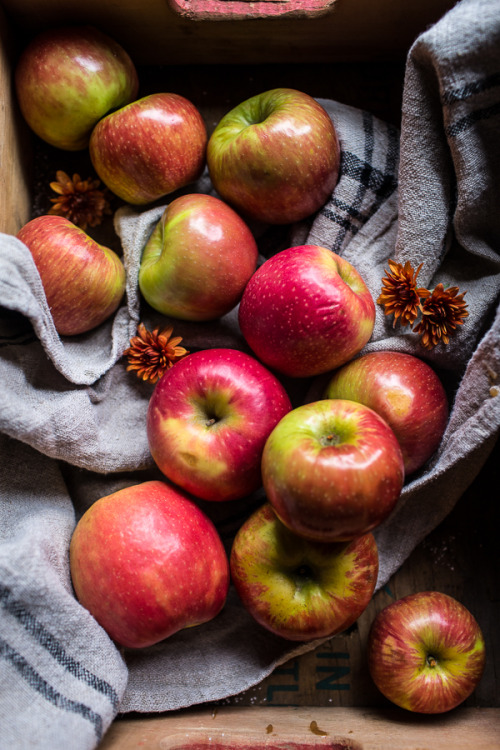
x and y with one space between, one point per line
208 419
332 470
405 391
305 311
67 78
275 157
84 282
198 259
149 148
146 562
426 652
296 588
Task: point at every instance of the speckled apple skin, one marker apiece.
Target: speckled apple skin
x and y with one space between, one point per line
332 470
198 259
405 391
147 562
275 157
149 148
298 589
208 420
426 652
68 78
305 311
84 282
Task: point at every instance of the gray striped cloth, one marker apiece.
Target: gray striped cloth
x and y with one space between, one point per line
72 420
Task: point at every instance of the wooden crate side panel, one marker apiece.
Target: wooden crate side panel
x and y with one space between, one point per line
154 33
15 197
288 728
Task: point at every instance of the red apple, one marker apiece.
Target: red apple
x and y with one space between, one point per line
147 562
275 157
405 391
426 652
306 311
68 78
84 281
208 419
150 147
332 470
299 589
198 259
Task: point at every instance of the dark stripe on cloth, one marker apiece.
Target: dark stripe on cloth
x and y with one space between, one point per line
471 89
380 183
466 122
55 649
38 683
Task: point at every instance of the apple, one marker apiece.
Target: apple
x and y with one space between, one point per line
198 259
332 470
67 78
149 148
426 652
208 419
84 282
405 391
146 562
275 157
306 311
296 588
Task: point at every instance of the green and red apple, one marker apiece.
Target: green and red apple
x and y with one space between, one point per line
275 157
67 78
84 282
150 147
297 588
426 652
332 470
306 311
198 259
146 562
208 420
405 391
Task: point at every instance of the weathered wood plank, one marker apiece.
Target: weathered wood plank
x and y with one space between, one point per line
336 729
244 9
15 176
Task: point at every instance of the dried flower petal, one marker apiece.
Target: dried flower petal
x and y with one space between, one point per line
151 353
80 201
400 295
442 312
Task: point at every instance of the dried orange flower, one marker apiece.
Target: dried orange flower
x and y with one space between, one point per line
80 201
400 295
150 354
442 311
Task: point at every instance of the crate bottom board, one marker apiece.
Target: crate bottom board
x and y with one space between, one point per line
308 729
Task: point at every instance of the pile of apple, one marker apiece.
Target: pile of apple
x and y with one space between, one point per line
146 561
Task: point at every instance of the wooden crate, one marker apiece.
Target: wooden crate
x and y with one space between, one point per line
353 52
326 695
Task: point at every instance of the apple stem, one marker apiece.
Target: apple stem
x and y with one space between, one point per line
304 572
431 661
331 439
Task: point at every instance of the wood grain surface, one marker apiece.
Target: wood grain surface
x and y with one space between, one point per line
15 144
308 729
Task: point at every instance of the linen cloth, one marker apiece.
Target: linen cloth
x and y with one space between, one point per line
72 420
